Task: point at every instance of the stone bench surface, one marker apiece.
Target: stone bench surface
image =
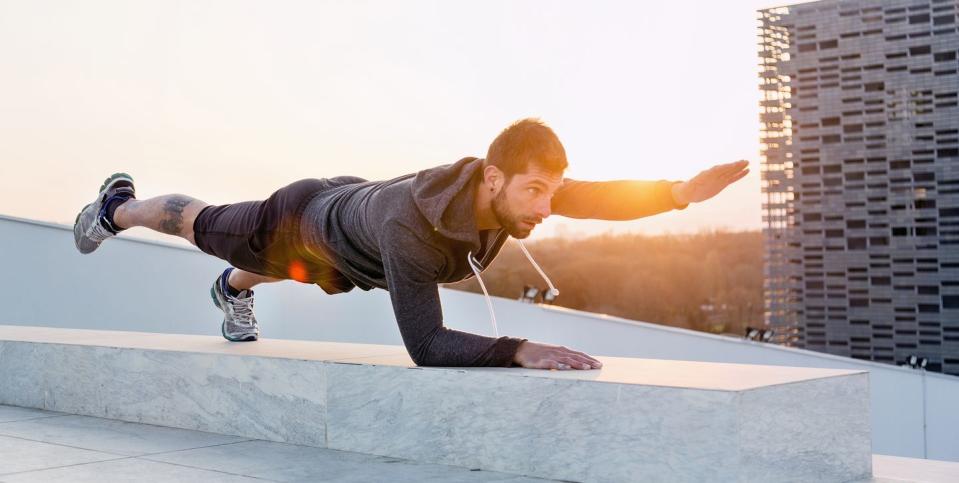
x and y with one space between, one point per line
619 370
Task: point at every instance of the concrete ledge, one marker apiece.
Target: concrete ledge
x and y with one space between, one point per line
636 419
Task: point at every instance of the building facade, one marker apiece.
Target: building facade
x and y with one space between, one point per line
860 174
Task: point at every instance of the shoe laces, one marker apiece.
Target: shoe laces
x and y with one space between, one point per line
97 232
243 310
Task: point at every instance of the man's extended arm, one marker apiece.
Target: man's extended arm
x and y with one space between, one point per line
614 200
410 267
631 199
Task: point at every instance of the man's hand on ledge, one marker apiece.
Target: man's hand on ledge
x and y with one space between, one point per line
534 355
710 182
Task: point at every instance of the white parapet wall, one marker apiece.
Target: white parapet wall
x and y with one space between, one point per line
632 420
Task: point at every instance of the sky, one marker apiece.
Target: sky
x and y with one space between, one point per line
227 101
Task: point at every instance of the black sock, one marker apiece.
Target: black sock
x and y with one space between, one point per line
112 205
232 291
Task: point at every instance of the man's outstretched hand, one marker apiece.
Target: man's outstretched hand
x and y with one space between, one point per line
710 182
535 355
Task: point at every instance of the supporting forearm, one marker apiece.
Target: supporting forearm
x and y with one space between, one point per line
453 348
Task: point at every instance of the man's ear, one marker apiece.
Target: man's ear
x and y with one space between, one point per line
494 178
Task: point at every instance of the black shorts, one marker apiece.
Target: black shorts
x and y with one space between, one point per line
263 237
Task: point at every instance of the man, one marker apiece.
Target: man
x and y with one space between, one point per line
405 235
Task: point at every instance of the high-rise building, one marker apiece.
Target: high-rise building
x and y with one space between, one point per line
860 173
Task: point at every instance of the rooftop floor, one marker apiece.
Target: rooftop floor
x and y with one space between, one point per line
37 445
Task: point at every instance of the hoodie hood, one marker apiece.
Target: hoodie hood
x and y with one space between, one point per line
445 195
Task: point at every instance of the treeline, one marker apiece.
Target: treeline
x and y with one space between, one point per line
711 281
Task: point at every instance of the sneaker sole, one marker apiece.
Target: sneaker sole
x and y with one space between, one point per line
115 176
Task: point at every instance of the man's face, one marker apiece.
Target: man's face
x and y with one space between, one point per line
525 200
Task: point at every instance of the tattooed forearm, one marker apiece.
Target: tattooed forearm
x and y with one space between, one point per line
171 221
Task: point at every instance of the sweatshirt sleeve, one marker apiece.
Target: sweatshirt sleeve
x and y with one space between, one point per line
614 200
411 267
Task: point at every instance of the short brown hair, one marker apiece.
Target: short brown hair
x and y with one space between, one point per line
527 141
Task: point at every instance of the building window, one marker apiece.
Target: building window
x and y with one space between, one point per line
929 308
856 243
950 301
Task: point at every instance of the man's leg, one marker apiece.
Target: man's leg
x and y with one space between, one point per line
223 232
170 214
174 215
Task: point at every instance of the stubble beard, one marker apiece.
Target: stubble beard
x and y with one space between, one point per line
506 218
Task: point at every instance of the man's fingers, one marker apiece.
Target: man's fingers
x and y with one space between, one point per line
589 360
584 363
561 358
568 363
582 356
735 176
581 362
575 362
713 174
586 358
559 363
728 169
563 364
554 362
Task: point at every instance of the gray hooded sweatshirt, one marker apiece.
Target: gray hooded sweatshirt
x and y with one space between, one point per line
410 233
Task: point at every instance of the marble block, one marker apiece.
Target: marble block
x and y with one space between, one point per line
633 420
662 420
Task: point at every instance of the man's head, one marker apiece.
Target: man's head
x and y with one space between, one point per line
523 168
